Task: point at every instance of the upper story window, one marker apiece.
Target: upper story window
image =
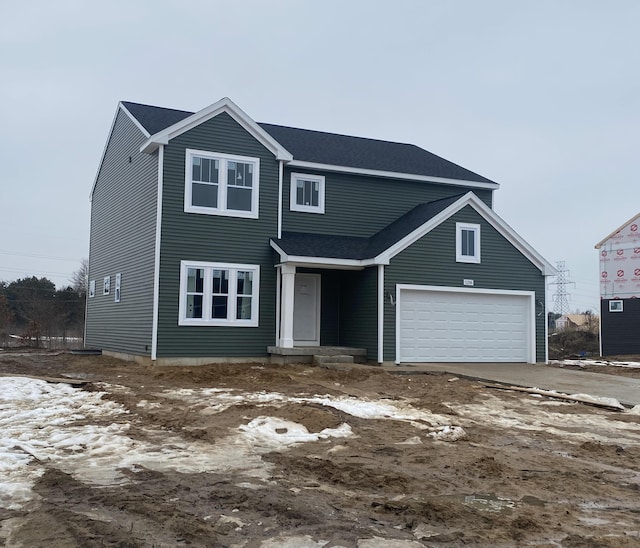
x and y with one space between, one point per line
307 193
221 184
467 243
219 294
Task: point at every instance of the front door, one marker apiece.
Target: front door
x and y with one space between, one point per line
306 310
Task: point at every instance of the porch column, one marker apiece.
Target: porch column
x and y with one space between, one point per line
286 308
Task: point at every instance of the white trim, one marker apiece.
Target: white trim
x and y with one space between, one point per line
546 325
475 228
531 344
156 256
293 193
280 185
623 225
385 257
380 313
616 301
489 215
134 120
278 297
393 175
231 320
223 184
106 145
224 105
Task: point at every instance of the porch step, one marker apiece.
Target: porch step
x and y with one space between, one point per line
321 359
308 354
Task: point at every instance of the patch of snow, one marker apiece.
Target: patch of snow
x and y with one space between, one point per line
448 433
611 402
530 415
585 362
293 542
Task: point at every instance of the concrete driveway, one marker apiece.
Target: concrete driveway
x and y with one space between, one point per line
623 389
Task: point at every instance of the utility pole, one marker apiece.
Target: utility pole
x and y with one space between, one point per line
561 296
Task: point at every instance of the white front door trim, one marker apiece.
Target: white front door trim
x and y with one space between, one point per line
531 346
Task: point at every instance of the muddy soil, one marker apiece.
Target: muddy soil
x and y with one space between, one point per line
530 471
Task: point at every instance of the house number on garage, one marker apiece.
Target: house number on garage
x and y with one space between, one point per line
467 282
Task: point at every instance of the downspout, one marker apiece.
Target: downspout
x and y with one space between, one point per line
156 266
280 177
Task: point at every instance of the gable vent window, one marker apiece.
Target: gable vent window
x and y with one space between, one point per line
467 243
221 184
307 193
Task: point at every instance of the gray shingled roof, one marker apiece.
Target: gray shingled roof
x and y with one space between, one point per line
330 148
351 247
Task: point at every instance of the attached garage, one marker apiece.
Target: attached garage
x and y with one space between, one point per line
440 324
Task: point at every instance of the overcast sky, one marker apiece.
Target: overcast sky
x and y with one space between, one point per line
542 97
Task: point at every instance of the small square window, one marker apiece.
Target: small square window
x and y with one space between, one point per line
467 243
307 193
106 288
615 306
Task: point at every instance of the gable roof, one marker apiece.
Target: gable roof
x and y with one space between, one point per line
309 148
355 252
622 226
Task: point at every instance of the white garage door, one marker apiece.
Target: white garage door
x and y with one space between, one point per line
464 326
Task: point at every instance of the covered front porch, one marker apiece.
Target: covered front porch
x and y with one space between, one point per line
325 312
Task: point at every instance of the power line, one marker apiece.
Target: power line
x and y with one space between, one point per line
37 256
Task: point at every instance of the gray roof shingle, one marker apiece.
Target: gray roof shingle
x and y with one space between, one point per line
302 244
330 148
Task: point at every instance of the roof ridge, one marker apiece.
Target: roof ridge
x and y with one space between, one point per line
339 134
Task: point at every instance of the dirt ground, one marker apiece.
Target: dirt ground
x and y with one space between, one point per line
528 472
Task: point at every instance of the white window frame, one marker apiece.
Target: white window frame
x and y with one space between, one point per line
616 305
92 289
106 285
222 184
294 205
116 291
475 228
231 319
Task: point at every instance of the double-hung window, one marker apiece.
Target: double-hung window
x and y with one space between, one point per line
307 193
219 294
221 184
467 243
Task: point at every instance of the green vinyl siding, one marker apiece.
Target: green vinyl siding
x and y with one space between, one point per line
360 205
359 310
216 239
432 261
123 222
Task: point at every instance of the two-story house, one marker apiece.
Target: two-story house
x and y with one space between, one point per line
214 237
620 289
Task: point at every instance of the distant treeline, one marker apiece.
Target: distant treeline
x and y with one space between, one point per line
35 310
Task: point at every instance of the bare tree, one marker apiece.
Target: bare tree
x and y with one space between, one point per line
80 279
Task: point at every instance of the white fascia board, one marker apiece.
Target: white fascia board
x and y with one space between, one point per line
106 144
489 215
321 262
623 225
224 105
134 120
393 175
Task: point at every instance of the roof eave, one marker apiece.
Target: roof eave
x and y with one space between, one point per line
224 105
395 175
